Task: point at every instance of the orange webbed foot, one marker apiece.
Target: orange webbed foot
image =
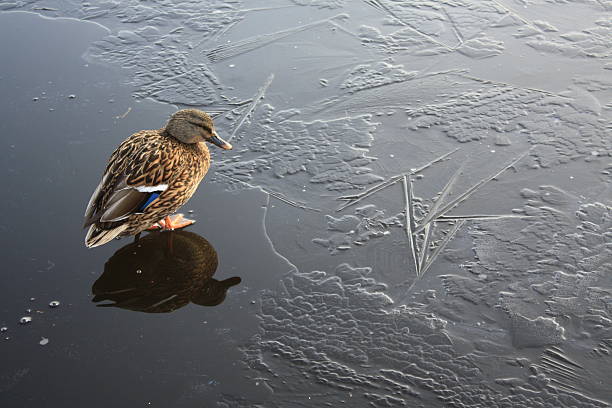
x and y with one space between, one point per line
155 227
175 222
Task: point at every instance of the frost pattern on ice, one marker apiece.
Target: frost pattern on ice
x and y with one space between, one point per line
330 153
333 337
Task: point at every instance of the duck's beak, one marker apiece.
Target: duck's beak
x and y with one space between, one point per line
216 140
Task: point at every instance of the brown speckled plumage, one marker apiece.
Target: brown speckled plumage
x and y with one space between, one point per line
149 158
151 161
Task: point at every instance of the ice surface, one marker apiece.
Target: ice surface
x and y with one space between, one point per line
436 181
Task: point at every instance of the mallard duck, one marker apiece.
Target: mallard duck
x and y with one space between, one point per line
162 272
149 176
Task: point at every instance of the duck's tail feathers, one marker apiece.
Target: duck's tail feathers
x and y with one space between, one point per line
97 236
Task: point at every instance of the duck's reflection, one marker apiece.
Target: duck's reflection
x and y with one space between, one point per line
162 272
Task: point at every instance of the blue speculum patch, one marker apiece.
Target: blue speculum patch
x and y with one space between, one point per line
152 197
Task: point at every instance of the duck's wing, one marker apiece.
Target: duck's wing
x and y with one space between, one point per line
136 175
123 201
90 212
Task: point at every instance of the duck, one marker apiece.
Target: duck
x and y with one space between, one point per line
149 176
162 272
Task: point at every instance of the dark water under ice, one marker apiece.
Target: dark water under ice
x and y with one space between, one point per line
417 211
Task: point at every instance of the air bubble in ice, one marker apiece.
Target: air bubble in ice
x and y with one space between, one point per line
25 320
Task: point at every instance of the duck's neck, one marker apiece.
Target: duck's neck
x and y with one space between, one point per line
164 132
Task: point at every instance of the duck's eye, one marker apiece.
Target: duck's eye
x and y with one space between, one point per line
206 128
202 125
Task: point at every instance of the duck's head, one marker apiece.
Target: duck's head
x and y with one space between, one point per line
193 126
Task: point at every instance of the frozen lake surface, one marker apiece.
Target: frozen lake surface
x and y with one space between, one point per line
417 211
